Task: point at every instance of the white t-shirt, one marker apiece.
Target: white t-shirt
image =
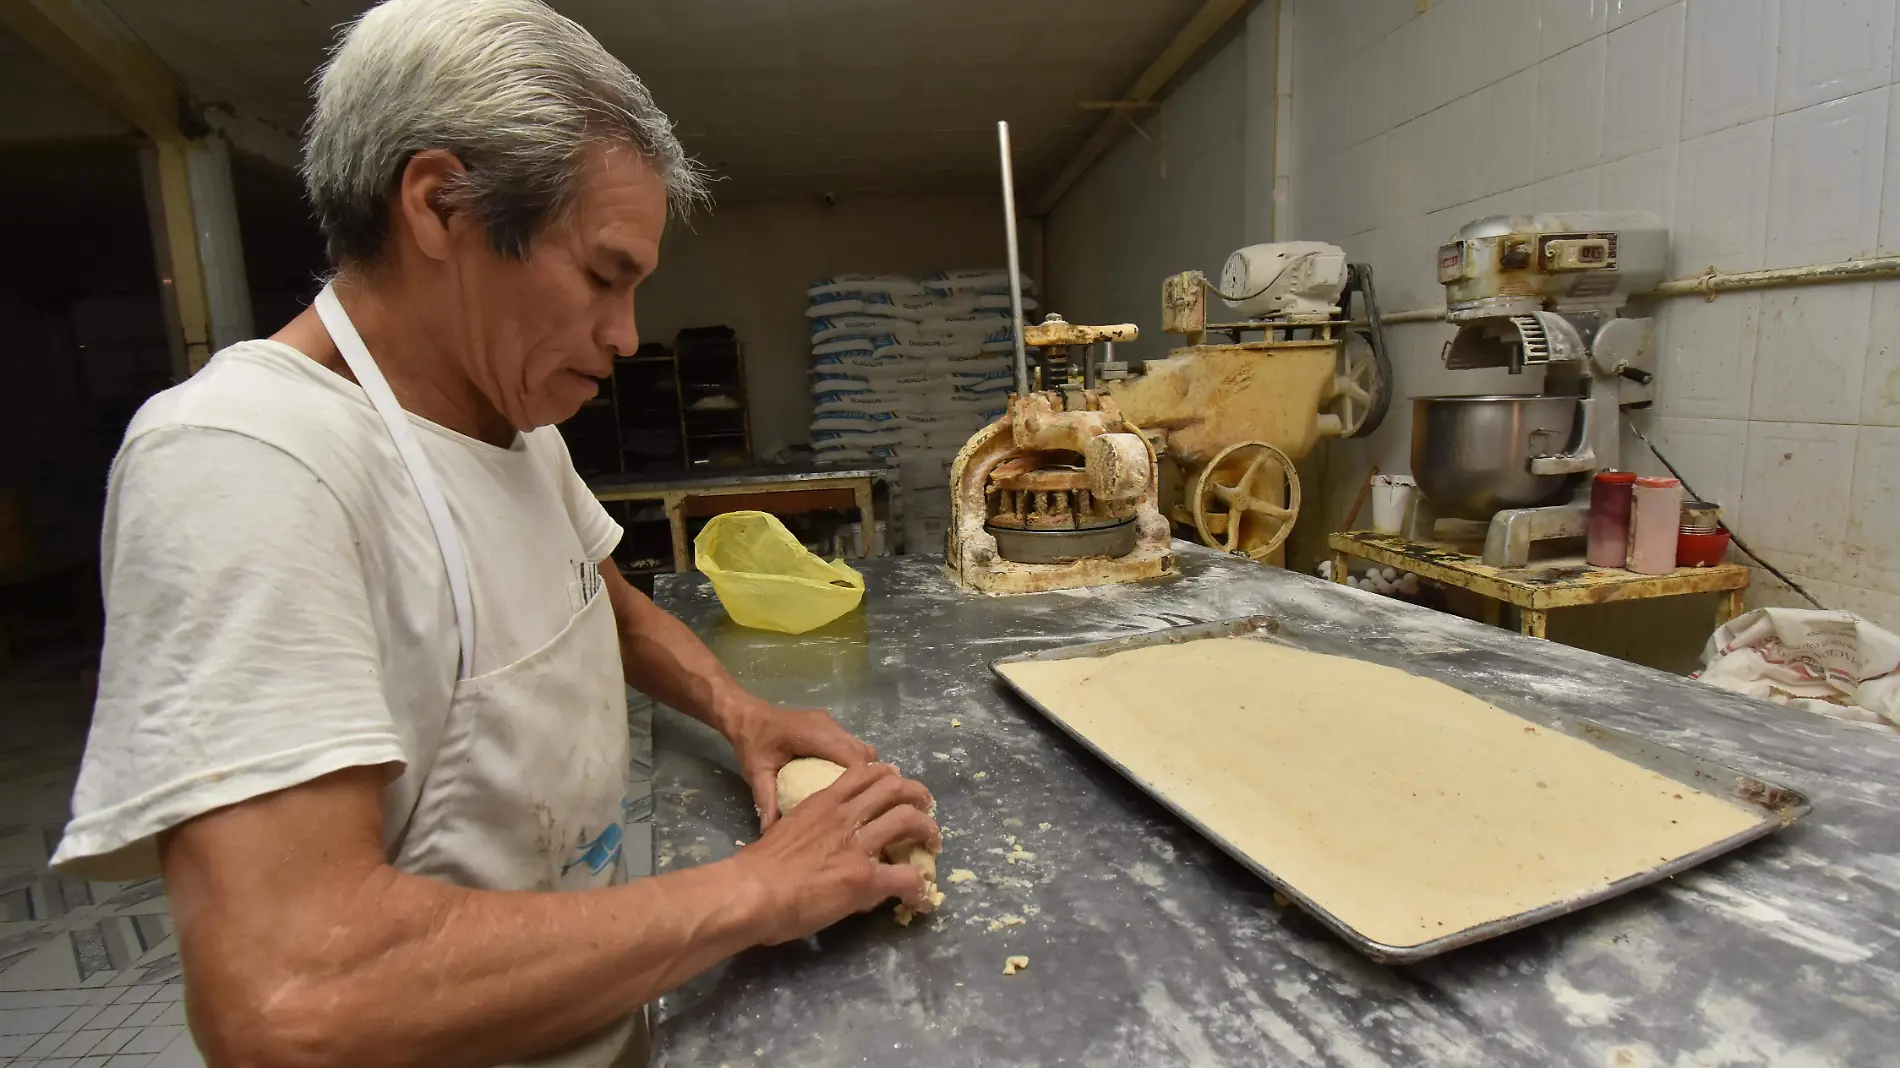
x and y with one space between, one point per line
276 604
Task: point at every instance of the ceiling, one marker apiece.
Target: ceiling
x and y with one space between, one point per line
39 103
780 97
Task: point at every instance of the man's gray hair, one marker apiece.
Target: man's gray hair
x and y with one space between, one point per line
518 92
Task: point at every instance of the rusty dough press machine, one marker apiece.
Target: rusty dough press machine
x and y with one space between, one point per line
1085 477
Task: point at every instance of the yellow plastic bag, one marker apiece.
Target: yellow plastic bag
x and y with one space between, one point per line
766 579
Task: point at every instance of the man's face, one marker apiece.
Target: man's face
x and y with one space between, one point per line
545 329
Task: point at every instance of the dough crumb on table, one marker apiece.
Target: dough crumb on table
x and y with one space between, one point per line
1010 920
905 913
1012 965
961 875
955 722
805 776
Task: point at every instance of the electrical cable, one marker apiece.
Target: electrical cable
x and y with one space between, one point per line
1737 538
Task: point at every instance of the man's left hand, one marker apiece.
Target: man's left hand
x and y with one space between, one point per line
766 737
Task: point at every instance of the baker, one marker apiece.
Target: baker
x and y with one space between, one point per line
361 698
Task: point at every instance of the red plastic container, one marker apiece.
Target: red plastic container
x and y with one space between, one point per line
1701 549
1609 544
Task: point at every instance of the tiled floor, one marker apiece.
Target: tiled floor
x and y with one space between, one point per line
89 974
88 971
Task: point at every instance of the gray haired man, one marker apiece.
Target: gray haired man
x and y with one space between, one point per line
361 697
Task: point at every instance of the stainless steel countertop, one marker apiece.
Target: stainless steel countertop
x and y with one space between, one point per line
1149 947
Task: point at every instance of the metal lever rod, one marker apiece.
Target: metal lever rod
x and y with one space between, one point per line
1015 259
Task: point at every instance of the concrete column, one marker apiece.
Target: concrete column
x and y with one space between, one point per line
220 251
164 164
193 213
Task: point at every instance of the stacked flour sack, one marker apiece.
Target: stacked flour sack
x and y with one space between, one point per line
904 370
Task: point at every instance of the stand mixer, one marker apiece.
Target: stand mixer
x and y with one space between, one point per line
1536 291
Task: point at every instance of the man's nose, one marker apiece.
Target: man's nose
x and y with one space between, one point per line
620 332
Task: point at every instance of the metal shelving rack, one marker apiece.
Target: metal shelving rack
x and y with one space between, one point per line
711 366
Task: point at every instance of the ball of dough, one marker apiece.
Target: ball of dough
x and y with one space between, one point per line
806 776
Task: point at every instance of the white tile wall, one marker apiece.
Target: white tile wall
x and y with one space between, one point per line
1763 132
1568 23
1870 604
1570 108
1766 591
1873 525
1880 388
1452 41
1831 49
1722 199
1362 200
1507 132
1729 75
1367 91
1576 191
1710 453
1824 188
1642 183
1642 84
1890 193
1408 74
1410 151
1812 356
1706 357
1509 31
1624 12
1795 487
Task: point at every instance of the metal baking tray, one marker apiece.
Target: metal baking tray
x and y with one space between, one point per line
1778 805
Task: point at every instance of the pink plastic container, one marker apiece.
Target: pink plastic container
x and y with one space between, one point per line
1655 523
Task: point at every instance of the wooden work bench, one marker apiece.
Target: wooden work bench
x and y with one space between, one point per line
1536 590
780 491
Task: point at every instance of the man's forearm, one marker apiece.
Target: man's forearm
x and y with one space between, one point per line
665 660
415 971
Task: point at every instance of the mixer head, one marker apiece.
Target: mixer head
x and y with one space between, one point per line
1575 261
1527 290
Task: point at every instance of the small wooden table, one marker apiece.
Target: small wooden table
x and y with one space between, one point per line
1536 590
781 491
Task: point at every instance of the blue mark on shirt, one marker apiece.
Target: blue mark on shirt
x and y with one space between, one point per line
600 853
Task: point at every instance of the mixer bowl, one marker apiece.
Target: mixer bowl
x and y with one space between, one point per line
1471 455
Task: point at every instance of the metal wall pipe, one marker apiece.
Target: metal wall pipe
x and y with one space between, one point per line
1712 282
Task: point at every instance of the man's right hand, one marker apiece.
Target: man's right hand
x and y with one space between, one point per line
824 860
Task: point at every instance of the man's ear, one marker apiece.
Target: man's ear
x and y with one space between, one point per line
426 203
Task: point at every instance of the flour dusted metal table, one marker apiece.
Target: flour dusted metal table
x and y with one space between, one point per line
1148 946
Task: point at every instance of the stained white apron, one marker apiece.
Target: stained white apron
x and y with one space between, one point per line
525 790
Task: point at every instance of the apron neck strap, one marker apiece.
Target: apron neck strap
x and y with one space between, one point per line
350 344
